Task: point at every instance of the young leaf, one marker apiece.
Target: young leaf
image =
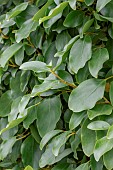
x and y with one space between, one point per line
36 66
8 53
100 109
98 125
87 147
48 136
82 49
101 4
76 119
97 60
86 95
102 146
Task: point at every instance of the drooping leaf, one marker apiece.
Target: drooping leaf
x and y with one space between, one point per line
87 147
97 60
86 95
8 53
82 49
102 146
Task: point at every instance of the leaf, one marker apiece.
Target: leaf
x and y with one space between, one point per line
61 166
35 153
42 11
28 168
86 95
111 92
59 141
23 103
97 61
8 53
5 104
83 166
87 147
89 2
101 4
6 147
100 109
76 119
72 4
82 49
96 165
108 159
110 132
36 66
102 146
50 107
48 136
17 10
54 12
98 125
73 19
35 134
26 28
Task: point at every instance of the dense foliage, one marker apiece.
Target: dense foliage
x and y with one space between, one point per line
56 84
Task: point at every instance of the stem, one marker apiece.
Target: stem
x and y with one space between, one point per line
23 136
109 78
63 81
106 100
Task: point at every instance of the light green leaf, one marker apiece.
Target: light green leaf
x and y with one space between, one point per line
73 19
36 66
5 104
84 166
59 141
48 136
86 95
87 146
50 107
110 132
82 49
28 168
89 2
54 12
42 11
111 92
26 28
102 146
8 53
72 4
76 119
108 159
6 147
101 4
100 109
23 103
98 125
17 10
97 61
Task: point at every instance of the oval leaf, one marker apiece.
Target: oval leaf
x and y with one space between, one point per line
98 125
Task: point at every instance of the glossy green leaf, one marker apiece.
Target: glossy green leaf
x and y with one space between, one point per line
28 168
97 60
73 19
41 12
86 27
111 92
23 103
108 159
87 146
82 49
54 12
76 119
102 146
48 136
36 66
100 109
5 106
60 140
86 95
8 53
89 2
26 28
46 109
6 147
101 4
17 10
98 125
